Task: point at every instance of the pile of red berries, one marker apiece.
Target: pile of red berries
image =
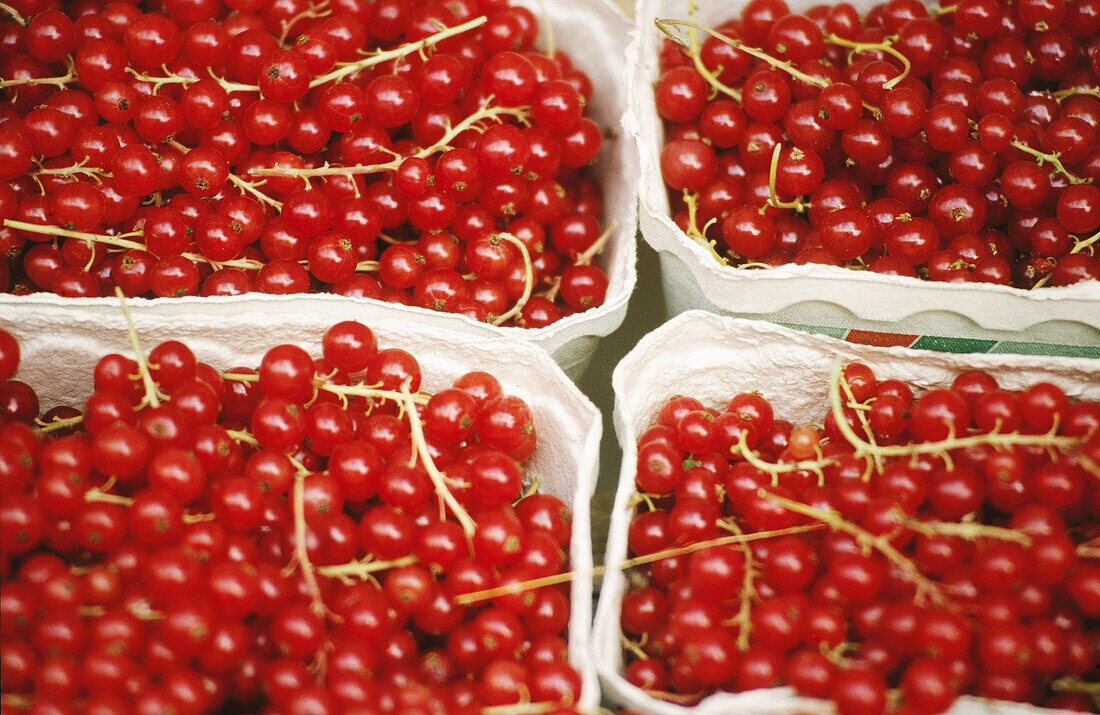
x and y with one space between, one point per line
419 153
953 143
908 551
280 540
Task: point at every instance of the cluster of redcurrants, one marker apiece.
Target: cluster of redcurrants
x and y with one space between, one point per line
371 149
274 541
952 144
914 551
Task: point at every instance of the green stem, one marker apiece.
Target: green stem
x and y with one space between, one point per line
926 588
995 439
14 13
528 278
1053 158
152 394
1087 243
397 52
692 202
362 569
967 530
873 47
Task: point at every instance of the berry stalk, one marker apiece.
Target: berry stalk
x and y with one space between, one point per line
377 58
152 393
362 569
528 278
470 122
926 588
995 439
486 594
967 530
814 465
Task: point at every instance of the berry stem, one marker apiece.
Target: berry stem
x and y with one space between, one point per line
643 498
773 199
362 569
475 596
173 78
407 401
103 494
79 168
838 655
439 481
696 54
743 618
358 391
485 111
1088 243
666 25
57 424
1072 91
551 293
301 553
470 122
597 246
692 202
140 610
59 81
241 435
118 240
926 588
245 187
344 391
775 469
152 395
1088 465
858 408
321 9
633 648
1053 158
884 46
528 278
966 530
376 58
532 490
14 13
1076 685
522 708
995 439
327 170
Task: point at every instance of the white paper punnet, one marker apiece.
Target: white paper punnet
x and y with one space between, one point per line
818 294
593 33
712 358
60 348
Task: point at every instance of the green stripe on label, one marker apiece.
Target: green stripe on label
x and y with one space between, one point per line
1082 351
837 333
953 345
945 344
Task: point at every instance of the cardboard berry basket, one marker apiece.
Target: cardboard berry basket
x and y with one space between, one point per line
712 358
819 295
60 348
593 33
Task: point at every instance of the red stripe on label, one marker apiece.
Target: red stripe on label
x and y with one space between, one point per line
882 340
